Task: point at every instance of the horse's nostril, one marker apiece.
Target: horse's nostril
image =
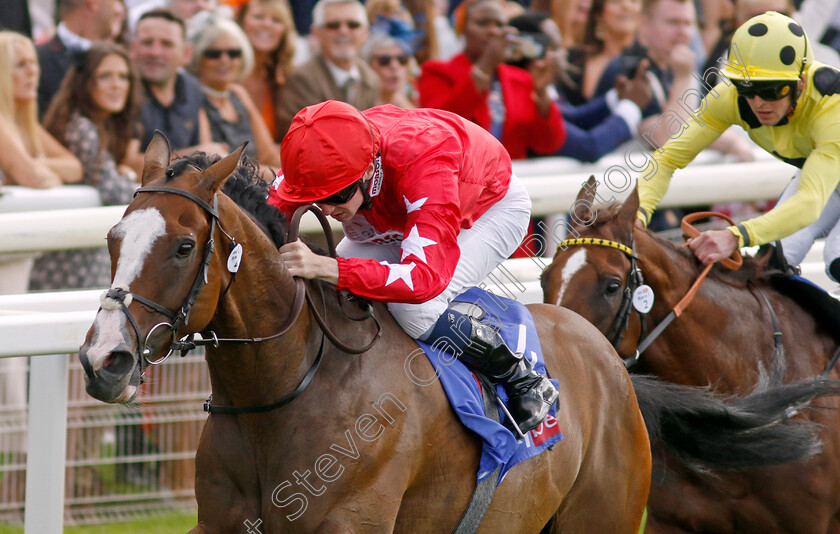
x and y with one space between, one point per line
118 363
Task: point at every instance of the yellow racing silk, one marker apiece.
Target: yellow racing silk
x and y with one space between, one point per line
809 139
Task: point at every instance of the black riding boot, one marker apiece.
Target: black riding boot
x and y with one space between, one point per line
530 393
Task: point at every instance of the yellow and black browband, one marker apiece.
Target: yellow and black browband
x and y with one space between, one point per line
596 241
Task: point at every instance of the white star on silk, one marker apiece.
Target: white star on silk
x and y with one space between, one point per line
414 206
399 271
414 244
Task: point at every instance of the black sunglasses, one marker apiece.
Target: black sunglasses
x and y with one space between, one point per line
216 53
336 24
384 60
770 91
343 196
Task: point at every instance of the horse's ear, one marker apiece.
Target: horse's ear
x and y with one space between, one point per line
627 213
584 206
157 157
215 176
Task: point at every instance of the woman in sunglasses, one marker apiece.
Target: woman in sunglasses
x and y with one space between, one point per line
789 106
391 61
222 59
429 206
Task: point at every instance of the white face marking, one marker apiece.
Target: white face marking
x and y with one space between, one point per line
139 231
575 263
108 326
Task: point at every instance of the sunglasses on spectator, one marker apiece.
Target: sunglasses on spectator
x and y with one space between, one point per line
343 196
336 24
770 91
216 53
384 60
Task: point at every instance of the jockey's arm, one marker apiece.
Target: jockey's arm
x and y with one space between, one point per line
819 178
700 131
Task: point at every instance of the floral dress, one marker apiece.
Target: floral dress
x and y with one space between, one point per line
85 268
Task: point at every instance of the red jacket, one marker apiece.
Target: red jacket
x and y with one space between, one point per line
449 85
440 174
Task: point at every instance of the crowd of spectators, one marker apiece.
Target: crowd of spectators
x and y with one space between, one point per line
575 78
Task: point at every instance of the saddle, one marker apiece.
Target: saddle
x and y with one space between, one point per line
816 300
465 390
787 280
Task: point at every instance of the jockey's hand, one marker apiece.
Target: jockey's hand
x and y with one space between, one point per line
302 262
713 245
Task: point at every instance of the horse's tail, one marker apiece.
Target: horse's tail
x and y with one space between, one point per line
711 431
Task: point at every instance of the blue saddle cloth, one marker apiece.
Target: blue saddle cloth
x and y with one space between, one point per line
499 445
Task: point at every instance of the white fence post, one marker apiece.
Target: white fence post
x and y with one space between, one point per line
47 449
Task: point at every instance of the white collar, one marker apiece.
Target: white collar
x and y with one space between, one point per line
71 40
342 76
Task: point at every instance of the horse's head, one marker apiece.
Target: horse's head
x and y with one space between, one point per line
160 252
591 280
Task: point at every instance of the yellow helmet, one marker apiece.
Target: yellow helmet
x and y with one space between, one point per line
768 47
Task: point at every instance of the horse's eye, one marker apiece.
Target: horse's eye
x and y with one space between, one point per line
613 286
185 249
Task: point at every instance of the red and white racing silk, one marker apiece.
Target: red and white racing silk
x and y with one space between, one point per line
440 174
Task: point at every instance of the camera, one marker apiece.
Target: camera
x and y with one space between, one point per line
630 63
525 47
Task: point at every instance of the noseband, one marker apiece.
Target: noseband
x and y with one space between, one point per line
634 280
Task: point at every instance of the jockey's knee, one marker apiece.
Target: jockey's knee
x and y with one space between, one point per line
416 319
833 269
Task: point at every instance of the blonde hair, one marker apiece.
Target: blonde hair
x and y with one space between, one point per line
25 117
282 57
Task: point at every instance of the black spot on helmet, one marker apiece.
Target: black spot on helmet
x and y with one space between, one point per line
758 29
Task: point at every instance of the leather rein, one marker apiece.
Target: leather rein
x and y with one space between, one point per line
123 298
635 280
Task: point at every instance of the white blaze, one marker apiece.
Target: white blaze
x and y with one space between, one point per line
575 263
138 231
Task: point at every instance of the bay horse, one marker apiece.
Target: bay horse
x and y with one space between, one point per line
335 441
723 339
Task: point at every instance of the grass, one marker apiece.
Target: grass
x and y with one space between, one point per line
173 523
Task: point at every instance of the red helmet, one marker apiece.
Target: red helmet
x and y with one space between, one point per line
328 147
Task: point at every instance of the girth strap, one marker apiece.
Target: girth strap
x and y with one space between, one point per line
486 487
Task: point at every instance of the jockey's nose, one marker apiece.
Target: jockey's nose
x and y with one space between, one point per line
325 208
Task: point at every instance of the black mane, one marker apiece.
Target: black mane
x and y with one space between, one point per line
245 187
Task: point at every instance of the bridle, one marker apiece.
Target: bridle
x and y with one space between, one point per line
176 317
622 318
634 280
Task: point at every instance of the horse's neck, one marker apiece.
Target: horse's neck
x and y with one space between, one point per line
667 271
688 348
258 304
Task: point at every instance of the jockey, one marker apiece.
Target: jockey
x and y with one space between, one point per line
788 104
429 206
